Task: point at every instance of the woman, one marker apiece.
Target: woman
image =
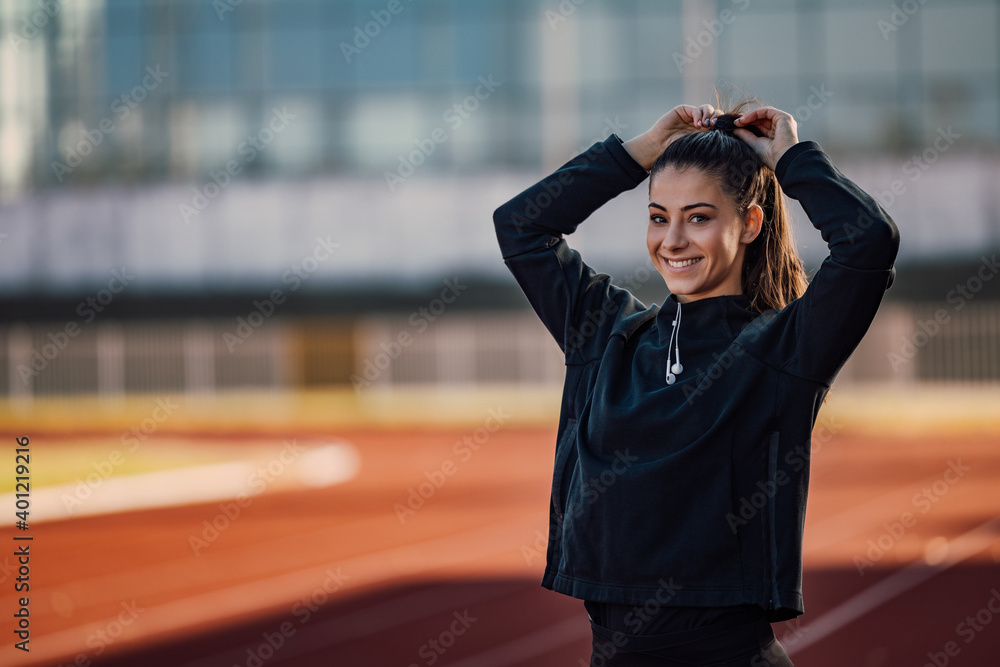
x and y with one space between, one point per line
682 458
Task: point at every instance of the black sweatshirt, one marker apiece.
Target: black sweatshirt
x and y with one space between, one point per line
700 485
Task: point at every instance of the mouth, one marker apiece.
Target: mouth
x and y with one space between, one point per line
682 263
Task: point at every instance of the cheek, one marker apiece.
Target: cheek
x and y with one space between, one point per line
730 244
725 243
733 242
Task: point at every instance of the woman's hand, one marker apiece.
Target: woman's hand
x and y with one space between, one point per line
778 129
677 122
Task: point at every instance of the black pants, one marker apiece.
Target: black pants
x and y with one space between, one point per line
728 642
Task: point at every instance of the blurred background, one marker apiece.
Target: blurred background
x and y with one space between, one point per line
234 232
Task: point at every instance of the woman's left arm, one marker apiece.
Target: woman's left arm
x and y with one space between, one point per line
830 319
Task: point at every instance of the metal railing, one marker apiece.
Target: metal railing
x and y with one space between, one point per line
905 344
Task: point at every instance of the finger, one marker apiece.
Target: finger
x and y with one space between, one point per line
764 125
747 137
715 115
758 115
685 112
748 118
706 113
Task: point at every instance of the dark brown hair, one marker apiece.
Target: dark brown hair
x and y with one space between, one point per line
773 273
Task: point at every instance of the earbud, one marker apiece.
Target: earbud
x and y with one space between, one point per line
675 369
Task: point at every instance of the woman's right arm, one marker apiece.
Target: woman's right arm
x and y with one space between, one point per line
563 290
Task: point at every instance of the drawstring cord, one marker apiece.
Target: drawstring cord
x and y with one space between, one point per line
676 369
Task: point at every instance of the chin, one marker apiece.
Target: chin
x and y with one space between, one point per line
679 288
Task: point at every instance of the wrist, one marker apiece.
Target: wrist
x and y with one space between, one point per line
644 149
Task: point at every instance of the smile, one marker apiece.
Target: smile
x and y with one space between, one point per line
683 263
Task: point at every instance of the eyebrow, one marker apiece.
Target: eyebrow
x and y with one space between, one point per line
685 208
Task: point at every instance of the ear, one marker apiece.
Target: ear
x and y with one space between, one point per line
752 224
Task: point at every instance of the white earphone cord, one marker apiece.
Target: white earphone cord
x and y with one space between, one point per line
676 369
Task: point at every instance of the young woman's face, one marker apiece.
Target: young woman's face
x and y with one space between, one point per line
695 237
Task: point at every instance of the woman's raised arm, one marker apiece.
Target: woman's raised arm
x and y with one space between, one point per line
825 325
576 304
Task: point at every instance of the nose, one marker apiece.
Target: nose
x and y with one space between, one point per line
673 238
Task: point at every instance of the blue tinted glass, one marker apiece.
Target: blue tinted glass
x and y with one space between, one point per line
388 44
294 14
295 58
393 54
124 61
476 30
205 60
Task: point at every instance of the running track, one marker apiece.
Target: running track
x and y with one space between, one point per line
334 577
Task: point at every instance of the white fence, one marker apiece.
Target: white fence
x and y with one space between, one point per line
912 343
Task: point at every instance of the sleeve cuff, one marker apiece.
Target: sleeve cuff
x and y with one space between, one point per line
790 155
633 169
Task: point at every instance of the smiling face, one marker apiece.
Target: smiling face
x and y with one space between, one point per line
696 237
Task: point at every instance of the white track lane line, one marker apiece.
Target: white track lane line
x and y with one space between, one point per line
914 574
894 585
324 465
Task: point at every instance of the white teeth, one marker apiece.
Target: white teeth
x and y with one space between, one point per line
686 262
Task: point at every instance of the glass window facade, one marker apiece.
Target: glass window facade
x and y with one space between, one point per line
371 77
